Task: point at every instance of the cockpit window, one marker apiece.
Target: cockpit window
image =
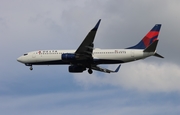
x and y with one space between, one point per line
25 54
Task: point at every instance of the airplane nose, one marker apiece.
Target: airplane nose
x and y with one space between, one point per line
19 59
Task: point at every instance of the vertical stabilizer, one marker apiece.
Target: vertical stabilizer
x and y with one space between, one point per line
150 37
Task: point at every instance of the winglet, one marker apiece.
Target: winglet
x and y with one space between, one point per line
117 69
96 26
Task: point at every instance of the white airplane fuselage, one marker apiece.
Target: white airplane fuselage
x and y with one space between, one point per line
100 56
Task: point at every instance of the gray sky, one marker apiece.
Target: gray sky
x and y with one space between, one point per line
149 86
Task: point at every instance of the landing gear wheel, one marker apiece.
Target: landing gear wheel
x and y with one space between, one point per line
90 71
31 68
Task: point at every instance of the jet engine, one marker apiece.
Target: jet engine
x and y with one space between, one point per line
76 69
68 56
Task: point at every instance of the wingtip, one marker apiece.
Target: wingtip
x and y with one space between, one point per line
97 25
158 24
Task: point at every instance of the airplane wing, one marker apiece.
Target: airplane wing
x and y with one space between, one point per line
85 50
97 68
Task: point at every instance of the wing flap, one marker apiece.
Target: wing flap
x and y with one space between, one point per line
97 68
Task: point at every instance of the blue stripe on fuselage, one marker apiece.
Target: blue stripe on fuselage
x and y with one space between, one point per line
84 62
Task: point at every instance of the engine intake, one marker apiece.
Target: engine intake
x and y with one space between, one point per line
68 56
76 69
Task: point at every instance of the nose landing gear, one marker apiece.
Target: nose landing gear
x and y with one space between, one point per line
31 68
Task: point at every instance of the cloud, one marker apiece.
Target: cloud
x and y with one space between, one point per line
104 102
52 24
55 22
141 76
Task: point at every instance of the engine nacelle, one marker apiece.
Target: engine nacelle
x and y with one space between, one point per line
68 56
76 69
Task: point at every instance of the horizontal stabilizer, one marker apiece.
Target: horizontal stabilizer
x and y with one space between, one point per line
152 47
158 55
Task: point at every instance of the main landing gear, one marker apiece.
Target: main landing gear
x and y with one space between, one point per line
90 71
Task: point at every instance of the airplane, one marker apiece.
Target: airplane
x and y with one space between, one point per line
87 57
